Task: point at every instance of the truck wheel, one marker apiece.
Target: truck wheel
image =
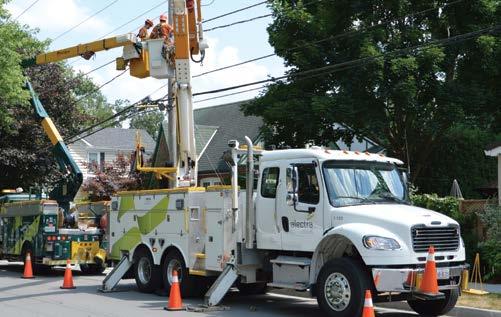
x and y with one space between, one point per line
37 268
341 286
435 307
146 272
190 286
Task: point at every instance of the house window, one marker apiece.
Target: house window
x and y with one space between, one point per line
96 161
270 182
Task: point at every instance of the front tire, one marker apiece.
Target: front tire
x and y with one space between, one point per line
341 286
435 307
146 272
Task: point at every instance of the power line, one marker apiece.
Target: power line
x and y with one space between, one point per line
238 22
360 61
331 38
133 19
232 94
85 20
121 112
208 4
24 11
235 11
99 88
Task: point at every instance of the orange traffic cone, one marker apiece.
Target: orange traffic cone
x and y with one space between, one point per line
429 284
368 307
28 270
68 277
175 301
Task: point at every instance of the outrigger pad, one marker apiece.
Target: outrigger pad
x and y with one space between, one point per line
204 308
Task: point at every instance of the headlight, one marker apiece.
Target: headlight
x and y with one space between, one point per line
380 243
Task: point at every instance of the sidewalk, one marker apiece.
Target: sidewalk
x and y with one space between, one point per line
492 288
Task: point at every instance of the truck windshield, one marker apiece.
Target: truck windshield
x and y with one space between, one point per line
359 182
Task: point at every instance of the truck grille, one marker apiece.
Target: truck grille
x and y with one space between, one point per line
441 238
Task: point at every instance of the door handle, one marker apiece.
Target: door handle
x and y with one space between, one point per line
285 224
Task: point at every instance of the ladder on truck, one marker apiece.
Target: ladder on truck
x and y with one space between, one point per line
112 279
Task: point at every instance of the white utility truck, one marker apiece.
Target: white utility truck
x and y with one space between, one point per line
327 222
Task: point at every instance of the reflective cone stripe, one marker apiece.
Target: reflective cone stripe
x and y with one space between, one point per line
368 306
28 269
429 284
68 277
175 301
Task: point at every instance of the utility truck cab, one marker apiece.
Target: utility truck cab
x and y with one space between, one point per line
346 218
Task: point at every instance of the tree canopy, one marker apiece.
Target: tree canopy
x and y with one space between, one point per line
402 72
71 100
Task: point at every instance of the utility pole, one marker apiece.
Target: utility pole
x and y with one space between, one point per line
171 113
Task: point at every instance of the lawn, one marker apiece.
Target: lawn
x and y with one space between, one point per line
489 301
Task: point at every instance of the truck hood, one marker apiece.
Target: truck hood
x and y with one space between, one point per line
394 213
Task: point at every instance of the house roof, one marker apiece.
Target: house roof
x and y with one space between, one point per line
119 139
230 123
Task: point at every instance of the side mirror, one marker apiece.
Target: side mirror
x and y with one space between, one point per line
405 178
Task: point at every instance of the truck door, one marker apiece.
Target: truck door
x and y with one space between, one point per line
300 210
267 229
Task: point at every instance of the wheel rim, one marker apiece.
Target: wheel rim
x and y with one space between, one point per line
337 291
174 265
144 270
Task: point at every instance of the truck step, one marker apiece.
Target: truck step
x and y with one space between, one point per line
295 286
291 260
198 272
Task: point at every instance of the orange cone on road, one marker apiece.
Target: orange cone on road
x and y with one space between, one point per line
368 307
175 301
429 284
68 277
28 269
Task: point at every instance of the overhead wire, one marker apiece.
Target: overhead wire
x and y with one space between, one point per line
101 86
238 22
85 20
26 10
332 38
234 11
361 61
134 19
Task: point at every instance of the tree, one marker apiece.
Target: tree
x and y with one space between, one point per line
406 102
69 99
111 179
149 120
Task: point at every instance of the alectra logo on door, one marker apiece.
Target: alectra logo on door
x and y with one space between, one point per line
301 224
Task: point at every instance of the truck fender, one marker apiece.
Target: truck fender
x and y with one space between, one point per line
337 241
173 246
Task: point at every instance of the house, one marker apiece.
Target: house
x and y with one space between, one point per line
228 122
103 147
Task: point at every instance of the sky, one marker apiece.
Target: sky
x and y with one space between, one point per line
55 18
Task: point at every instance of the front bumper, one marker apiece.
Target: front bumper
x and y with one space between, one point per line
406 280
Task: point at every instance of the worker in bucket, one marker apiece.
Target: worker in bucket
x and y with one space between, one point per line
143 32
162 30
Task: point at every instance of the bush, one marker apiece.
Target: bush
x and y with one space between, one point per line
490 250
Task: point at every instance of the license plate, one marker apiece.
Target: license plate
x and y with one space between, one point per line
443 273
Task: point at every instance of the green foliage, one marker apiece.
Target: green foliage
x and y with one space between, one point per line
149 120
490 250
414 102
72 101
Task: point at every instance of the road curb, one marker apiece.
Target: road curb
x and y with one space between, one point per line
458 311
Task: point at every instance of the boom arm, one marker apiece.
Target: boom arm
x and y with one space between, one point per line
65 189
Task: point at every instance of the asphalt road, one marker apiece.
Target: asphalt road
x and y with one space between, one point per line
43 297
